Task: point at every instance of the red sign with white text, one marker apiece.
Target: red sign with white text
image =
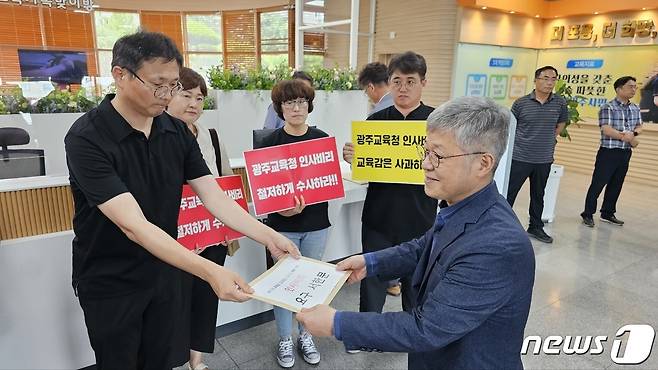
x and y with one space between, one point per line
197 228
279 173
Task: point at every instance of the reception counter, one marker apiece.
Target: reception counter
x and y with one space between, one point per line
41 323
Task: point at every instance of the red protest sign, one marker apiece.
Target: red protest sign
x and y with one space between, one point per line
278 173
197 228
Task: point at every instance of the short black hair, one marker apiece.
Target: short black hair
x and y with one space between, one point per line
301 75
131 51
545 68
191 79
373 73
621 81
287 90
408 63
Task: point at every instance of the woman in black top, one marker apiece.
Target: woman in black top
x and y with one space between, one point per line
306 226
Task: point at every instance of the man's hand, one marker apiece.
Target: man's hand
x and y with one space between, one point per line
228 285
297 209
348 152
627 136
356 265
279 245
318 320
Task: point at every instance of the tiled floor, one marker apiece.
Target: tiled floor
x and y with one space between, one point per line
588 282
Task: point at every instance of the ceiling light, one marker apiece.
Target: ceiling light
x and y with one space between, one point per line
512 12
537 16
596 13
484 8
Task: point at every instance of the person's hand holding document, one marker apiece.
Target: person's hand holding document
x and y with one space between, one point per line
299 283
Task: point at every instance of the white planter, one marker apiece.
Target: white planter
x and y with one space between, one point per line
551 192
242 111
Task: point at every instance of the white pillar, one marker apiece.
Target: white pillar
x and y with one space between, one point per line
371 31
354 34
299 34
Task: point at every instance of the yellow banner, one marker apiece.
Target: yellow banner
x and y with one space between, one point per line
386 151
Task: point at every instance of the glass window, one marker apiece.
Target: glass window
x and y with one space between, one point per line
267 60
274 38
204 32
313 60
105 63
110 26
202 62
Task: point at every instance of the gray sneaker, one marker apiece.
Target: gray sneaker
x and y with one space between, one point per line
307 348
285 354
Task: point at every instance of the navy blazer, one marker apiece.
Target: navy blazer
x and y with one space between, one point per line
473 292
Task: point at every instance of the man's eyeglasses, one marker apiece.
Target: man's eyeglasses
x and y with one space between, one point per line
290 104
435 159
547 79
409 84
161 91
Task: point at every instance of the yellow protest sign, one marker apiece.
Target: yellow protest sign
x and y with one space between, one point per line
386 151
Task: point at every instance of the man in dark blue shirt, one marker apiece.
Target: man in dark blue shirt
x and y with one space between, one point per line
473 270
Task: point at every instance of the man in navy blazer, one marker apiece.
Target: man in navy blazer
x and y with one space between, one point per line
473 271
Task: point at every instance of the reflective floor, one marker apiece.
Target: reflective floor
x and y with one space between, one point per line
588 282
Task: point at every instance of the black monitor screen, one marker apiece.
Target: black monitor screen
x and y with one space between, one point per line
66 67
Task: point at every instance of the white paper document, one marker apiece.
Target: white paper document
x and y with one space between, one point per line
296 284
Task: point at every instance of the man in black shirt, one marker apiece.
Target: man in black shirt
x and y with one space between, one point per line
127 163
395 213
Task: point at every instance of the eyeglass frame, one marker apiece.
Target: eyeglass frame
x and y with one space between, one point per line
547 79
409 84
171 90
290 104
423 153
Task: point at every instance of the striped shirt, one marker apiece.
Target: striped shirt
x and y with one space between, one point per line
622 117
535 127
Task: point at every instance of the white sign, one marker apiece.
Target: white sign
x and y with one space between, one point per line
298 283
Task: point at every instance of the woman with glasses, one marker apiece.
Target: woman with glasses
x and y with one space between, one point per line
306 226
199 317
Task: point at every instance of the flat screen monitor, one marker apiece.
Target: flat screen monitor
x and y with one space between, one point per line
64 67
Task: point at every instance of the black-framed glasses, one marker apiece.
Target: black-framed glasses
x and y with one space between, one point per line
435 158
290 104
408 85
159 92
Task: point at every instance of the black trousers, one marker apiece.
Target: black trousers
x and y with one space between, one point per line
538 174
609 171
373 290
196 319
132 331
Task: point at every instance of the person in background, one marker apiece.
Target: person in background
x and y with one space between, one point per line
272 119
127 164
198 318
306 226
620 124
395 213
373 79
540 116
